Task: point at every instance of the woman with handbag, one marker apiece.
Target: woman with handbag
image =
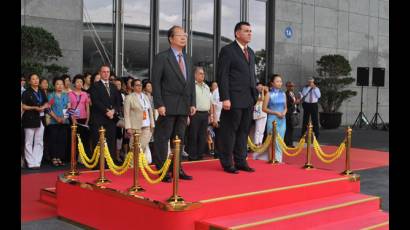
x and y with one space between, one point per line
259 116
139 117
80 111
59 103
292 117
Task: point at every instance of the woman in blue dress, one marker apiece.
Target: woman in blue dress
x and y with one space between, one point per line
275 106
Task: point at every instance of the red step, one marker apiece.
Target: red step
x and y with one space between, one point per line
298 215
49 196
373 220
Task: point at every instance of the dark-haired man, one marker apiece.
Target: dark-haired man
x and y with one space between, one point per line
106 103
237 90
174 96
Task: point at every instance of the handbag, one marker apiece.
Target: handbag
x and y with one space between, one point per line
257 112
121 122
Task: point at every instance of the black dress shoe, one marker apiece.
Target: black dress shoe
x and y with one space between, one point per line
184 176
231 170
167 179
245 168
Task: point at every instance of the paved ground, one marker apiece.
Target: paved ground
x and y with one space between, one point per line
373 181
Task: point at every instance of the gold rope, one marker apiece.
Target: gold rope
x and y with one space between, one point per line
145 174
117 170
83 156
148 167
81 150
298 148
262 148
322 155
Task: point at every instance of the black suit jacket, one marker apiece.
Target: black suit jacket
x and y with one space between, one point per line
170 89
236 76
31 118
101 101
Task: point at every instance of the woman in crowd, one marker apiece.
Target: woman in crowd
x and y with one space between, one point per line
274 104
259 116
139 117
80 111
67 83
59 122
120 125
128 87
292 114
147 88
87 81
217 114
44 85
34 102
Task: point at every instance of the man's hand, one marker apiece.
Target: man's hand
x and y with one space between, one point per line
226 105
129 131
192 111
215 124
110 114
161 111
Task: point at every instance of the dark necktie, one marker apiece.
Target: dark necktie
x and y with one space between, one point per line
311 96
181 65
245 50
107 87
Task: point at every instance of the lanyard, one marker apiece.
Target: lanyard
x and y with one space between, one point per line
38 96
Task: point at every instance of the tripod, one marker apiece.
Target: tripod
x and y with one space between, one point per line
361 119
373 122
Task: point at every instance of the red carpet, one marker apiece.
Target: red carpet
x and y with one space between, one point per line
285 196
360 159
31 184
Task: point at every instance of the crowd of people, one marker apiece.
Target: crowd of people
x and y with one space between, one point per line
177 102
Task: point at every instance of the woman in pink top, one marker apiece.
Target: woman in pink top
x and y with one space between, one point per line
80 110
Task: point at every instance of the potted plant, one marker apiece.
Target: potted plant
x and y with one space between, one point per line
334 76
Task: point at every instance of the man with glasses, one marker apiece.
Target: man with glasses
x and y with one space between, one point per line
174 96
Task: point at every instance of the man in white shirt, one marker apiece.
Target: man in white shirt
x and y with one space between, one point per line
310 96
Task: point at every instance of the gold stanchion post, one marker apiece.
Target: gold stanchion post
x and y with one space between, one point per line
308 164
272 155
102 180
175 200
136 187
73 169
348 172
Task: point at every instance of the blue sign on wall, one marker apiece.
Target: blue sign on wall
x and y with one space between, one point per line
288 32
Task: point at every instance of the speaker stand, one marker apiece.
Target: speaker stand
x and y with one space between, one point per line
361 119
373 122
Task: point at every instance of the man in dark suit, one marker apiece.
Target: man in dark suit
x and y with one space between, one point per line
174 96
106 102
237 89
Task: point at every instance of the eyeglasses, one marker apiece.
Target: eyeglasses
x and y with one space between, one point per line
137 85
182 35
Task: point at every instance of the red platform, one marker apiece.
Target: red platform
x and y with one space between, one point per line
274 197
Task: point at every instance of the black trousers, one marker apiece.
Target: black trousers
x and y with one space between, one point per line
57 141
310 110
110 132
166 128
232 136
197 138
289 130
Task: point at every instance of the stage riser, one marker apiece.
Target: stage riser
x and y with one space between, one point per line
109 207
314 220
267 200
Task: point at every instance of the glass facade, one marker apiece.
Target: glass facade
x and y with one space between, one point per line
141 17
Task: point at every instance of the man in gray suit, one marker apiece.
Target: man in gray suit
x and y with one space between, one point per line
174 96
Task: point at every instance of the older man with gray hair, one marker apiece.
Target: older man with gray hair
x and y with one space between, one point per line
197 131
